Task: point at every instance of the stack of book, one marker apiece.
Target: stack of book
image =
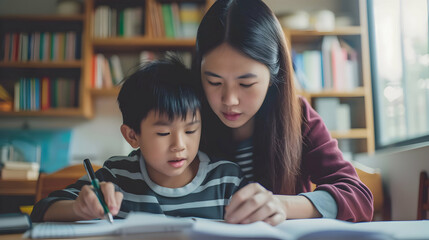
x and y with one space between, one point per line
14 170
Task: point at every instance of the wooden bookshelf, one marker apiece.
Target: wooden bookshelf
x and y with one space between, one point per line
105 92
14 69
38 65
352 30
360 99
133 43
57 112
44 18
358 92
351 134
18 187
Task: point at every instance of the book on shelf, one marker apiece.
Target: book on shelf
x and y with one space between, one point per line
34 94
18 170
118 22
176 20
335 115
41 46
327 109
334 67
108 70
20 165
12 174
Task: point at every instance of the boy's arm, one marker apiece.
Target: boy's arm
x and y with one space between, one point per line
86 206
61 211
68 194
57 199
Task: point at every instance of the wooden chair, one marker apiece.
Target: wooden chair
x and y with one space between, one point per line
48 183
423 201
372 179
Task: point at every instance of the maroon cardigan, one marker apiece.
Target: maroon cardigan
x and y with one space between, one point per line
323 164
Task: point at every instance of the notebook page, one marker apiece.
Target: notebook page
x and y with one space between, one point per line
136 222
207 229
75 229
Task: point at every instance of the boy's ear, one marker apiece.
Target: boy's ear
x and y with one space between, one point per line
130 135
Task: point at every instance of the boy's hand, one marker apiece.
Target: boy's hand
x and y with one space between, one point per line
87 206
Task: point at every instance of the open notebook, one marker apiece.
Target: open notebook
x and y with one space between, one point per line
207 229
137 222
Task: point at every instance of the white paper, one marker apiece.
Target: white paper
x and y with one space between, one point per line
135 223
303 229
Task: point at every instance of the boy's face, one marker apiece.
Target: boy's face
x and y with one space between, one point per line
169 147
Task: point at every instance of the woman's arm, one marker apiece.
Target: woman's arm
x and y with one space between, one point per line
323 163
298 207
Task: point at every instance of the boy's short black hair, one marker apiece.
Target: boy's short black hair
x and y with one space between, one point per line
163 85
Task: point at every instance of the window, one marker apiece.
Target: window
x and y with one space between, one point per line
400 70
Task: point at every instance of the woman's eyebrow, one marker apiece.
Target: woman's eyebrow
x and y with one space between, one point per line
247 75
208 73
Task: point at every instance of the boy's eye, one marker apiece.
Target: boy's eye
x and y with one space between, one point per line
247 85
162 134
214 83
191 132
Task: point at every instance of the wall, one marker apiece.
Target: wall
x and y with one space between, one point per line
400 169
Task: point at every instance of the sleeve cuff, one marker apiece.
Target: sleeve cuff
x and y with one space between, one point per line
324 203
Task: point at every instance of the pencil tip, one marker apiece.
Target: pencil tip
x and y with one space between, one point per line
110 217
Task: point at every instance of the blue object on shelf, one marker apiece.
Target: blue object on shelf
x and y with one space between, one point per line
53 145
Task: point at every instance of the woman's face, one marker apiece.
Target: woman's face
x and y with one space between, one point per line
235 85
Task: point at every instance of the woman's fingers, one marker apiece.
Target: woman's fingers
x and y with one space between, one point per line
244 202
275 219
271 212
243 195
254 203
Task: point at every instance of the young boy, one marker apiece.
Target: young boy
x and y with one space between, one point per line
167 174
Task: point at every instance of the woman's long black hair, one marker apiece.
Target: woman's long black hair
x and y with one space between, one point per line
251 28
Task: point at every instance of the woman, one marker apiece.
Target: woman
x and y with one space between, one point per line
253 117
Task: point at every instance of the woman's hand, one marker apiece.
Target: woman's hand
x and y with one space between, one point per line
87 206
255 203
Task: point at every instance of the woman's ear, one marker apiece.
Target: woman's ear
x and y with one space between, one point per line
130 135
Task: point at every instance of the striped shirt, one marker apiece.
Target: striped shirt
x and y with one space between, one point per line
205 196
244 158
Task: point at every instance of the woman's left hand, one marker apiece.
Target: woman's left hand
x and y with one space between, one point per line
255 203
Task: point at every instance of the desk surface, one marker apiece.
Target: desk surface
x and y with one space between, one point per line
147 236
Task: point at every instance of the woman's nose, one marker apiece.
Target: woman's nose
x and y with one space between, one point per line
229 97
